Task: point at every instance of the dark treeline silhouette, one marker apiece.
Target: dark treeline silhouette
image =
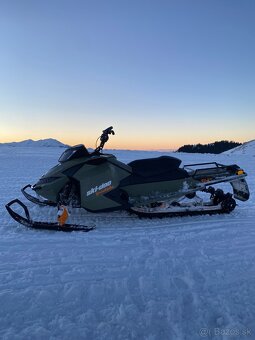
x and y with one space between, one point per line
216 147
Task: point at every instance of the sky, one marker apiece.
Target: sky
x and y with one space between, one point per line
162 73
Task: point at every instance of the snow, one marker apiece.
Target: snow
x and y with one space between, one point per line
247 148
171 278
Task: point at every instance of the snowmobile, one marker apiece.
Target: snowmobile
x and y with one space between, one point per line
98 182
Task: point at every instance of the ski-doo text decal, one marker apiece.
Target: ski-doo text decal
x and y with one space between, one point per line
100 189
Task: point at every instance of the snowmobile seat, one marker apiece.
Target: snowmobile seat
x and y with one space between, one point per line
157 167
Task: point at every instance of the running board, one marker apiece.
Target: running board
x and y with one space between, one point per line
163 209
177 212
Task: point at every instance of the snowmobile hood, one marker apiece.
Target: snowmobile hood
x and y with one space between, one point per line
70 166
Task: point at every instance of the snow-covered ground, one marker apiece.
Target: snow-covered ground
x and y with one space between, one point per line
174 278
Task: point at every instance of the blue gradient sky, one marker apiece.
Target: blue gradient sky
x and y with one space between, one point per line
163 73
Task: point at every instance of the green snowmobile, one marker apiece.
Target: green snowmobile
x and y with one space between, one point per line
98 182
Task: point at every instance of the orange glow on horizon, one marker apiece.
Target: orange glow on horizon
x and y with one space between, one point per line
89 143
143 141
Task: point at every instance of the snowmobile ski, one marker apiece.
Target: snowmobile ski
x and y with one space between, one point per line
28 222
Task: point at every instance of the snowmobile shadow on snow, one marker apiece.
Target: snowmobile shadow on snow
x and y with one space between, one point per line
153 187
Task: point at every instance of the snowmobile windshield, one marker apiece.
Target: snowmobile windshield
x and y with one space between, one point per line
74 152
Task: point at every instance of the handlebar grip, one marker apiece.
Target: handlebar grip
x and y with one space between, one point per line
108 131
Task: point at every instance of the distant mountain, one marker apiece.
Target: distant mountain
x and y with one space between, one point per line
247 148
50 142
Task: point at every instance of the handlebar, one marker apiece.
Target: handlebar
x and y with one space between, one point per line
104 138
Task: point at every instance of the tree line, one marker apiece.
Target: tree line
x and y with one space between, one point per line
216 147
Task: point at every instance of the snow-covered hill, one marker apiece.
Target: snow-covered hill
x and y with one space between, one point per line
49 142
247 148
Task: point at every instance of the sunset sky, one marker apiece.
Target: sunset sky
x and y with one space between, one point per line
164 72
